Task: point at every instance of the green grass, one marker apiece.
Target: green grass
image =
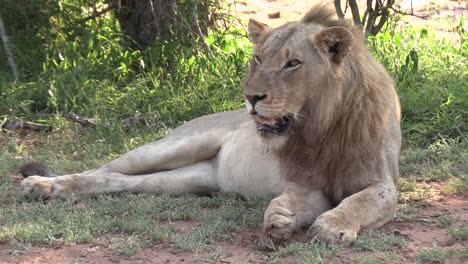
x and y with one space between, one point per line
379 258
313 252
439 255
140 219
445 220
378 241
459 233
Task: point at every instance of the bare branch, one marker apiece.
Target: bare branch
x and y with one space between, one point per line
376 28
197 27
408 14
338 9
9 54
368 10
18 124
355 12
96 14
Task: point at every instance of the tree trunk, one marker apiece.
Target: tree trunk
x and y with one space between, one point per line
149 20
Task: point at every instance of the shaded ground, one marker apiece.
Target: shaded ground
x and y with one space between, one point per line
422 227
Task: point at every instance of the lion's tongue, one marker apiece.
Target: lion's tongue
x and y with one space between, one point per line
266 121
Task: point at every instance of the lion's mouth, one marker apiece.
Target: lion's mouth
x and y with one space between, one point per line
278 126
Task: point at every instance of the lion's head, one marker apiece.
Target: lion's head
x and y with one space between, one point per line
317 94
299 72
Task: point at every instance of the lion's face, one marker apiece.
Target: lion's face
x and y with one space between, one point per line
288 73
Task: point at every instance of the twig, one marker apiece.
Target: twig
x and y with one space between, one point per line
4 121
9 54
97 14
83 121
197 27
18 124
409 14
126 123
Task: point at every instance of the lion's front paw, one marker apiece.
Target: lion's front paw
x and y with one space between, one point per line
334 228
41 188
279 224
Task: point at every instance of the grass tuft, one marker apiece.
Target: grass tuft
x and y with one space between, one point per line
379 240
440 255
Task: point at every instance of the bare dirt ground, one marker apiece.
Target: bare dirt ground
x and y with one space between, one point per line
423 232
276 12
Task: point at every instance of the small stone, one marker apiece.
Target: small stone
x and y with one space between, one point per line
274 15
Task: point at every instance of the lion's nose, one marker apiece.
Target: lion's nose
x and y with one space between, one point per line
253 99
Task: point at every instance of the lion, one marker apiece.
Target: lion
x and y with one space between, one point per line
321 133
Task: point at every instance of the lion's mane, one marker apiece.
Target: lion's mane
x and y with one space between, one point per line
344 134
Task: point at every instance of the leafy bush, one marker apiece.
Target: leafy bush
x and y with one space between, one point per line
431 80
94 70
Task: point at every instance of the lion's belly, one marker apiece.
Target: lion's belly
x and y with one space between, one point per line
245 167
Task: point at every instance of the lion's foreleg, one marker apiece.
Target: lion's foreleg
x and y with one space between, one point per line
370 208
195 178
291 211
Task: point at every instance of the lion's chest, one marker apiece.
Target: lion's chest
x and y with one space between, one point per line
245 167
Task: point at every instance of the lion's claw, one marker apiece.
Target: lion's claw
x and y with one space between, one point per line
279 225
333 229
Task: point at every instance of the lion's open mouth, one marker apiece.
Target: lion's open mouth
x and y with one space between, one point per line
276 126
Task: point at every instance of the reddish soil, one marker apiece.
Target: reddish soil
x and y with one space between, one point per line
425 233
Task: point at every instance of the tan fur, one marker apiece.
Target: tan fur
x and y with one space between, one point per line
335 167
346 113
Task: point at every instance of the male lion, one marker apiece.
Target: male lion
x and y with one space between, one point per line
321 130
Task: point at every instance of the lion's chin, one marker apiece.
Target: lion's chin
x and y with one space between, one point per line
273 133
270 140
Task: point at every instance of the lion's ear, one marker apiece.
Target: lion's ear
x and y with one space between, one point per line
335 42
257 31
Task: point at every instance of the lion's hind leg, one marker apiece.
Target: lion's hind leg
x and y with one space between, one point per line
195 178
198 140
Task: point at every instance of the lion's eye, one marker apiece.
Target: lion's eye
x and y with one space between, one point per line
258 60
293 64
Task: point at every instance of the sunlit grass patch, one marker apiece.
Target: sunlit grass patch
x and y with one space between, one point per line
456 185
412 191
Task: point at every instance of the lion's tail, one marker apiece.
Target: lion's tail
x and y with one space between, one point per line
34 169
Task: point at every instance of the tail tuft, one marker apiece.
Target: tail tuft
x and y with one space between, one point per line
34 169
